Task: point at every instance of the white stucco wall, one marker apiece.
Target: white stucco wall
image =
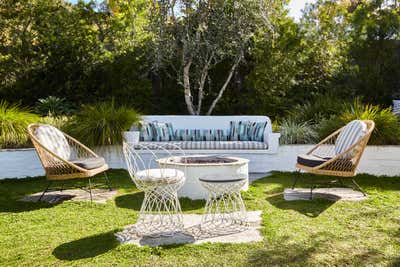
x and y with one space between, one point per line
377 160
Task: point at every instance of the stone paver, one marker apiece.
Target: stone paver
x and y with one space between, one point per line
192 234
335 194
99 196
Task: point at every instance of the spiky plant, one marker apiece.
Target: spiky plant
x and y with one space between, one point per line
14 120
293 132
102 123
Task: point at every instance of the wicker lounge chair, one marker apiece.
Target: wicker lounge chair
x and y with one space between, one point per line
63 157
339 154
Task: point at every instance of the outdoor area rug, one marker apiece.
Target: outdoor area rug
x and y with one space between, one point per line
192 234
99 196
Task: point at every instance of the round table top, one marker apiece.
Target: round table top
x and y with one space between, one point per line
203 160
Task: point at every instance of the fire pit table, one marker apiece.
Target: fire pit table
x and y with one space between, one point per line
205 166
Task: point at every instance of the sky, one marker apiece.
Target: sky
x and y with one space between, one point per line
295 7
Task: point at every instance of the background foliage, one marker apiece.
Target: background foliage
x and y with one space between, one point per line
302 73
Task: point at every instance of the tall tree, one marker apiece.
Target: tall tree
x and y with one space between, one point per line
193 36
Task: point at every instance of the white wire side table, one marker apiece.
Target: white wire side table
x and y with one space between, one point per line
225 209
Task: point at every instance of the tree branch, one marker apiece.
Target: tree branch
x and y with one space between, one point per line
223 88
204 74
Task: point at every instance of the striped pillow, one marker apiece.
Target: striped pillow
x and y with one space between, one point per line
188 135
214 135
162 131
146 132
54 140
350 135
255 131
396 106
238 131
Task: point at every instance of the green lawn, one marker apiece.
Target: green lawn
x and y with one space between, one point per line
300 233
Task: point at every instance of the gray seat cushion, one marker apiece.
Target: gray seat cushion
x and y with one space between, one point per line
311 160
90 163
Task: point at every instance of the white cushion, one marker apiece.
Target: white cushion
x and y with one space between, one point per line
350 135
54 140
160 175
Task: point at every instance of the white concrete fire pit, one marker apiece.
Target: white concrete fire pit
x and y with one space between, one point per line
202 166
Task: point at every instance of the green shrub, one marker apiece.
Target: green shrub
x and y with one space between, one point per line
293 132
59 122
102 123
14 120
387 127
320 108
52 106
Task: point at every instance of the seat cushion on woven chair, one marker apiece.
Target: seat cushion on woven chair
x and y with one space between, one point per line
350 135
310 160
90 163
160 175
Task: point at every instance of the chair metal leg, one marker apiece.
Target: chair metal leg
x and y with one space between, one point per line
296 177
44 192
358 187
90 190
312 187
108 181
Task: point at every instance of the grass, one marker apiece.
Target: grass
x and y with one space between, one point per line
296 233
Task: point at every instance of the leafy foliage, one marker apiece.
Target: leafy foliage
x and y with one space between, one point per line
102 123
387 126
52 106
14 120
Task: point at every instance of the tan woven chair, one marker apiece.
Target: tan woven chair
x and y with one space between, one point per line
332 163
63 157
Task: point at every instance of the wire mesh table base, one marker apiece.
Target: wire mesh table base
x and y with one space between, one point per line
160 213
225 209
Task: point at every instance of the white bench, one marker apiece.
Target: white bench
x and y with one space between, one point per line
259 158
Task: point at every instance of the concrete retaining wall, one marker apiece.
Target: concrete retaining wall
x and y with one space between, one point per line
377 160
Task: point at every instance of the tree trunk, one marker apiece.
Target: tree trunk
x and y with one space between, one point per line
186 86
223 88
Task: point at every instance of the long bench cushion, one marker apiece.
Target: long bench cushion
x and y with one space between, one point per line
209 145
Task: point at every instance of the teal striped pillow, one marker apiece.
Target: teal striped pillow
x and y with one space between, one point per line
214 135
239 131
188 135
256 131
146 132
162 131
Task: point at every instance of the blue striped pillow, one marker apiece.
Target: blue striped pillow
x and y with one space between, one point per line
256 131
162 131
214 135
239 131
188 135
146 132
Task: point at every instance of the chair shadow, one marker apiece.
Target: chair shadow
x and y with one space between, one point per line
86 247
134 201
308 208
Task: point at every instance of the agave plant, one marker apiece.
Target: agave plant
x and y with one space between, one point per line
13 122
52 106
293 132
102 123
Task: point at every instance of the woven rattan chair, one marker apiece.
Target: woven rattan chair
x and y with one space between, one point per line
324 158
63 157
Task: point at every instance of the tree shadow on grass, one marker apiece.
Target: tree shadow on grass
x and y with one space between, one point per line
311 208
87 247
135 200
